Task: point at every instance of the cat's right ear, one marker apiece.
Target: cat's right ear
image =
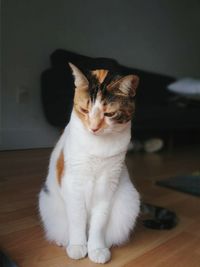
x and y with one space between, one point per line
79 78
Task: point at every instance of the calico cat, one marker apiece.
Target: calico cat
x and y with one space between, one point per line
88 202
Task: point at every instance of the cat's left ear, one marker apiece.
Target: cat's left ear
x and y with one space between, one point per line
127 85
79 78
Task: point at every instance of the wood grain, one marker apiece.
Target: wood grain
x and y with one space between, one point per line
22 173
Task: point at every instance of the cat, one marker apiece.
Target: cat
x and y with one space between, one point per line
88 202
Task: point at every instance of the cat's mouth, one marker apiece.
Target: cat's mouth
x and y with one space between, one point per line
100 132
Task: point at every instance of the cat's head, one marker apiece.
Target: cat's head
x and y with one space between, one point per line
103 101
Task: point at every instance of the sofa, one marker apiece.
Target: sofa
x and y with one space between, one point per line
159 112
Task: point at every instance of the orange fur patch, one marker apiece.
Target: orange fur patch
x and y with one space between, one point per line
81 100
60 167
100 74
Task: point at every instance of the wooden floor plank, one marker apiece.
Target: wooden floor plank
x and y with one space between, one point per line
21 235
173 252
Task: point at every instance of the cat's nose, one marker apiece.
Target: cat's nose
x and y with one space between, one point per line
94 130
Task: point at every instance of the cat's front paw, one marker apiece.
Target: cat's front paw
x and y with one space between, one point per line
101 255
77 252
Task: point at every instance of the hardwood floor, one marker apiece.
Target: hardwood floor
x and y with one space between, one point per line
22 174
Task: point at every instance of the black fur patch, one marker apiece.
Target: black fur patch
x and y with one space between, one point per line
95 86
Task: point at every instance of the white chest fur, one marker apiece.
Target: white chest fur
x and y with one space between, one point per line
93 163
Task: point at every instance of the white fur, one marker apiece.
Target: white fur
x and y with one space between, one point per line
96 205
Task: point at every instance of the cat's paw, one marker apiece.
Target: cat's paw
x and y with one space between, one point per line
77 252
101 255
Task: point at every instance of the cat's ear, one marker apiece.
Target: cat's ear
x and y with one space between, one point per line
127 85
79 78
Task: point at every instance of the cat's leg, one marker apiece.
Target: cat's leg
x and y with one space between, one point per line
97 249
77 218
124 211
54 217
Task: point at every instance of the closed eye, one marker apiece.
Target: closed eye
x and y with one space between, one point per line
84 110
109 114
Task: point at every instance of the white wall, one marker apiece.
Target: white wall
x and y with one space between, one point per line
161 36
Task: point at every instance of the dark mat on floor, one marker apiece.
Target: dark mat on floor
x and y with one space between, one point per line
186 183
